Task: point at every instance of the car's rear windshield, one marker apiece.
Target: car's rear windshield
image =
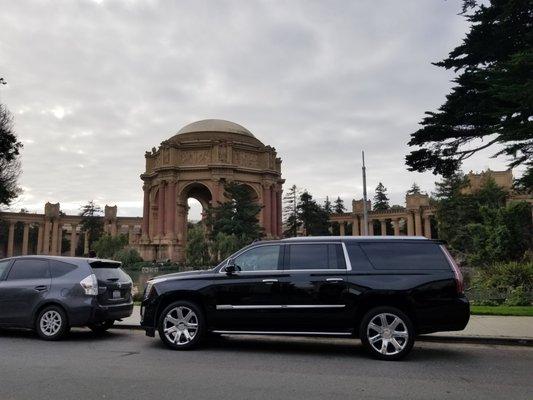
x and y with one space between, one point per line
105 271
406 255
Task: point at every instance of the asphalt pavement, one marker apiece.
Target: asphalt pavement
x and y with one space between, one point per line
124 364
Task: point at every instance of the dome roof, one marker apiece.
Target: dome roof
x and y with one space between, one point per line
215 125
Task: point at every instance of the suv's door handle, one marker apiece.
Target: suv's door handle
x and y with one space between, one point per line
270 281
41 288
334 280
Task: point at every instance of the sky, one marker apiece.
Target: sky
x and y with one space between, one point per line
94 84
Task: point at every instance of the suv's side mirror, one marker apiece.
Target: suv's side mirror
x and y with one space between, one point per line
231 267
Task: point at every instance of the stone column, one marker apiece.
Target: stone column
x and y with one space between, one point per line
73 240
280 213
25 236
86 243
59 240
171 209
146 212
418 223
113 228
371 227
46 237
342 230
161 211
427 227
40 239
131 235
11 239
397 227
383 223
267 223
181 215
53 249
410 224
355 227
273 212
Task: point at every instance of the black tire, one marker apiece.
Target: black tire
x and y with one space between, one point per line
179 339
101 327
51 323
392 342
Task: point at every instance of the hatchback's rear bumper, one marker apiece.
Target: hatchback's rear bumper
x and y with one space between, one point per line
111 312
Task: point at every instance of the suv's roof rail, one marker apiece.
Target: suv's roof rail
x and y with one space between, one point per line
311 238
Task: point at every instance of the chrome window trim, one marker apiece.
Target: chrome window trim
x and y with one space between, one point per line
283 333
276 306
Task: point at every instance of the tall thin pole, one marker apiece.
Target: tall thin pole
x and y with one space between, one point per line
365 211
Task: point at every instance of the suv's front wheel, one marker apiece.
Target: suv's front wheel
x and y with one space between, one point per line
181 325
387 333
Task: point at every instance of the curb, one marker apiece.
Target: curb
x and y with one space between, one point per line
507 341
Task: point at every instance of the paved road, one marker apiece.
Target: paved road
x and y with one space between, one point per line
126 365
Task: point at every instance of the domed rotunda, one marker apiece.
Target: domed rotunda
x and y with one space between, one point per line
196 163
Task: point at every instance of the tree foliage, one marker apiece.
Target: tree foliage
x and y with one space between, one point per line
492 101
9 158
314 219
339 207
92 221
236 216
292 222
381 200
107 246
197 251
415 189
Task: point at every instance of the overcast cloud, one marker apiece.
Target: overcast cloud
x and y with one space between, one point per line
94 84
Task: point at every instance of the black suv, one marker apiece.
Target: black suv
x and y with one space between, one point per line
51 294
384 290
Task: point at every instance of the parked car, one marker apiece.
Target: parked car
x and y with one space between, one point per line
51 294
384 290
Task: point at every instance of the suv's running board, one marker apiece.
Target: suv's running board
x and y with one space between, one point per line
283 333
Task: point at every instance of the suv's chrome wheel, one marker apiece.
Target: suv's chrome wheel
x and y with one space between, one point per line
181 325
387 334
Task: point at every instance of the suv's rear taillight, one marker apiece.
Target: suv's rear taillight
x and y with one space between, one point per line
90 285
457 272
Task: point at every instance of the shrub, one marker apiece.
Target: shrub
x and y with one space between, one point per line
108 245
128 256
511 281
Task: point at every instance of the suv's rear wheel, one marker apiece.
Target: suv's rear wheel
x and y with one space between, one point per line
181 325
387 333
51 323
101 327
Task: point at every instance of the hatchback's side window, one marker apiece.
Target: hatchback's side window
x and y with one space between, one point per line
262 258
59 268
29 269
3 268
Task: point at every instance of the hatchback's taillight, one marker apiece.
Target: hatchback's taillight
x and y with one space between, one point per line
457 272
90 285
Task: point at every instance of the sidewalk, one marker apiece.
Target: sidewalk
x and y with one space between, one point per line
480 329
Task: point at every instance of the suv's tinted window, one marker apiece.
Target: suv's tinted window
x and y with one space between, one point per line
29 269
59 268
316 256
358 258
3 268
405 255
262 258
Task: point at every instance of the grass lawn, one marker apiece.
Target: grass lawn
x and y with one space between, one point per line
521 311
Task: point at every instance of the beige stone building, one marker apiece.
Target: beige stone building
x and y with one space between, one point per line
196 163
